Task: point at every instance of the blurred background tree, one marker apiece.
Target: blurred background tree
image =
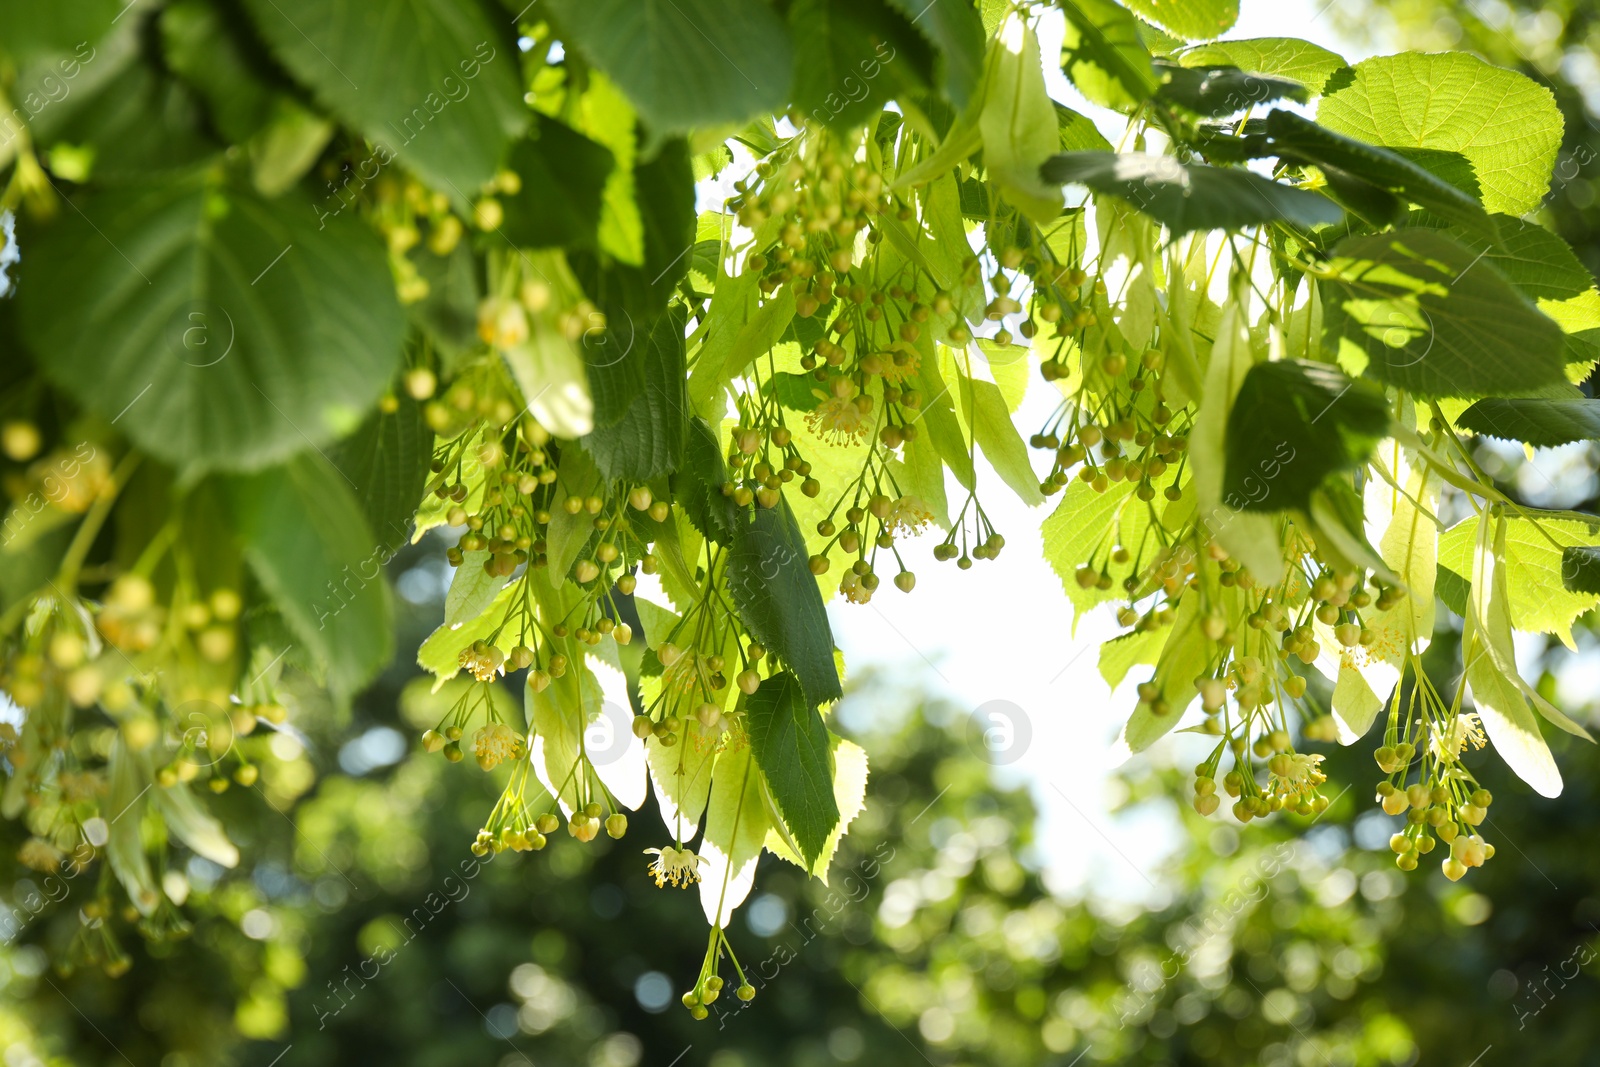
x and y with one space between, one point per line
366 932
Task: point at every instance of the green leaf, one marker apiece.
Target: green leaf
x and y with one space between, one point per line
731 346
1417 310
1018 122
849 796
216 329
1580 570
387 462
1222 90
955 30
648 440
685 64
1280 57
850 58
1539 599
997 435
1193 20
568 533
777 598
1540 423
632 296
32 31
563 175
1121 654
1488 131
1349 164
1079 134
434 82
1104 56
1083 529
1544 269
440 653
697 485
1191 196
472 589
1292 424
307 542
790 745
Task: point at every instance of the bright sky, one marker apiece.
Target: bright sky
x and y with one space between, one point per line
1000 631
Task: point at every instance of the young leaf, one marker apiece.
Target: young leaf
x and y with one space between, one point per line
1292 424
236 332
307 542
1193 20
1536 569
1416 310
732 344
434 82
1104 56
1540 423
568 532
1018 122
1191 196
777 598
649 439
1486 130
1280 57
685 64
472 589
790 745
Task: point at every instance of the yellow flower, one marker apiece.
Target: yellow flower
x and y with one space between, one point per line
909 515
495 744
852 588
837 419
1461 731
897 373
40 855
483 660
502 323
676 866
